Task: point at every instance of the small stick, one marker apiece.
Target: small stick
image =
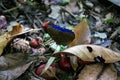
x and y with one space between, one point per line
39 20
25 32
114 34
68 12
12 9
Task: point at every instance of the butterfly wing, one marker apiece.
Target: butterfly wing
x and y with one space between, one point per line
60 35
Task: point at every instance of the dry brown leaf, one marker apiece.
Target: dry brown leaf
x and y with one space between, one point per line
12 74
13 60
91 72
118 78
6 37
108 74
90 52
71 7
82 34
16 29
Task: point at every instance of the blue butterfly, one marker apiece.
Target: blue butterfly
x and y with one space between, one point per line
60 35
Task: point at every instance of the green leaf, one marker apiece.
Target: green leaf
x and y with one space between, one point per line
50 61
66 1
111 20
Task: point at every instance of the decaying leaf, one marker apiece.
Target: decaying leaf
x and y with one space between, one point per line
13 60
12 74
91 72
6 37
93 53
108 74
82 34
4 41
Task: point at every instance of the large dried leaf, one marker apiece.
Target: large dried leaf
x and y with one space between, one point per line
13 60
91 72
82 34
12 74
6 37
92 52
108 74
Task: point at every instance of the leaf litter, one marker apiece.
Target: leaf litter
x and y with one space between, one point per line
95 24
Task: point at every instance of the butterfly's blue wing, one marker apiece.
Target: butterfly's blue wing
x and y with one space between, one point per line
61 35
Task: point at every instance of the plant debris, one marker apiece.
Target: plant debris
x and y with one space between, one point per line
77 39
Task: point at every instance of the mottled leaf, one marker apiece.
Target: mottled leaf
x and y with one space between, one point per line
93 53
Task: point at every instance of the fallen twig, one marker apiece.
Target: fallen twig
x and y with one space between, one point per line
68 12
25 32
12 9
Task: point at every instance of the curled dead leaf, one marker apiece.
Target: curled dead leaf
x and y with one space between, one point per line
82 36
93 53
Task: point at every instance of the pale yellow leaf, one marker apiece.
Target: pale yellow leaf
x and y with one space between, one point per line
3 41
90 52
